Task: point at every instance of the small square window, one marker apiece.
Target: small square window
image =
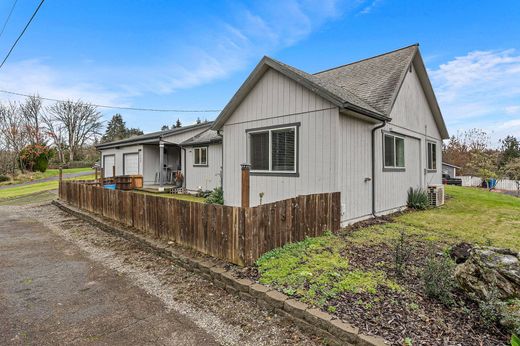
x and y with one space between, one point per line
200 156
393 151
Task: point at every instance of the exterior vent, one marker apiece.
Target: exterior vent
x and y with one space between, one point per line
436 195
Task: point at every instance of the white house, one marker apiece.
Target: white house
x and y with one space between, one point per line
449 169
159 155
370 129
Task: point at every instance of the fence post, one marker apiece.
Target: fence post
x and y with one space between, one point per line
102 178
60 180
245 184
114 173
96 174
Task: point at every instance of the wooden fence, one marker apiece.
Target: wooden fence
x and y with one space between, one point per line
235 234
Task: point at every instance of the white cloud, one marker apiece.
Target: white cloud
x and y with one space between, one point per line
481 88
370 7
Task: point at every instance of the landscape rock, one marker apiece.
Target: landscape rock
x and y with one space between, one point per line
490 273
460 252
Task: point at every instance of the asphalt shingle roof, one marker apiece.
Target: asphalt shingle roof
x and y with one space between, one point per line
206 137
375 81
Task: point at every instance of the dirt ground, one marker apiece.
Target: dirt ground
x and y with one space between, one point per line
63 281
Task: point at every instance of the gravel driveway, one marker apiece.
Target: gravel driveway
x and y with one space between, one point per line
63 281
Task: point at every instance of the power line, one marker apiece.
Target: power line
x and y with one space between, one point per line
124 108
21 34
8 17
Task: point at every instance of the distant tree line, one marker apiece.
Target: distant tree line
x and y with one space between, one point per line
470 150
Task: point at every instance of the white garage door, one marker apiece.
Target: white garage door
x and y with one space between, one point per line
131 164
108 163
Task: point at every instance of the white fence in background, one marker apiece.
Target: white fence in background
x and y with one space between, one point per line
502 184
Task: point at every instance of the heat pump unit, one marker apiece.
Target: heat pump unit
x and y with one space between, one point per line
436 195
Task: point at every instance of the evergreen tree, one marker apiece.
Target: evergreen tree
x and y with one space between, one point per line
116 130
510 150
165 127
198 120
177 123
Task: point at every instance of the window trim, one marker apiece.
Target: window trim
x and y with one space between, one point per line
207 158
270 129
394 168
428 169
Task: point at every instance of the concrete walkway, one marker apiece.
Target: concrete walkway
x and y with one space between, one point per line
65 176
51 294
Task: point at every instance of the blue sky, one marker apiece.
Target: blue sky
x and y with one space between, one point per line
194 55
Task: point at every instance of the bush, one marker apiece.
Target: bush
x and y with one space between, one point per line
216 196
417 199
438 278
4 178
35 157
402 253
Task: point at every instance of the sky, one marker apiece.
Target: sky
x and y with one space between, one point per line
194 55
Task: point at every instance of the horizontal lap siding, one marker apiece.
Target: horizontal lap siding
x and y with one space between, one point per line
235 234
276 101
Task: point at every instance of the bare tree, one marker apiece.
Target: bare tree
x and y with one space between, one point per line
13 131
80 122
31 111
56 132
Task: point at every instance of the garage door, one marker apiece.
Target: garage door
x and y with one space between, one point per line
131 164
108 163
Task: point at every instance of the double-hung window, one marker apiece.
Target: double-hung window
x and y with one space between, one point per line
393 148
273 150
200 156
431 156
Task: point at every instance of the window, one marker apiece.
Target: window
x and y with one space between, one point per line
201 156
432 156
393 151
273 150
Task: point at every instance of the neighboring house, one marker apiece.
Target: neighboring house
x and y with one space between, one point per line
203 157
370 129
156 156
449 169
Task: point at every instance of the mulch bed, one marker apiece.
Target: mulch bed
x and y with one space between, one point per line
408 313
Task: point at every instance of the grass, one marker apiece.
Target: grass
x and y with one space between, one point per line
31 176
182 197
315 270
470 214
18 191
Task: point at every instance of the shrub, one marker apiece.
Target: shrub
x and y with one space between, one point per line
417 199
438 278
4 178
216 196
402 252
35 157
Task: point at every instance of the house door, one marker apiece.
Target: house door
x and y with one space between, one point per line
108 163
131 164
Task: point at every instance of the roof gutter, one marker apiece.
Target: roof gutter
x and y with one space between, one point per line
366 112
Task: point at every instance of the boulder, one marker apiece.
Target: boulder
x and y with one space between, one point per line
490 273
460 252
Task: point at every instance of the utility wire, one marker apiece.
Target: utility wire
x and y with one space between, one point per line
8 17
124 108
21 34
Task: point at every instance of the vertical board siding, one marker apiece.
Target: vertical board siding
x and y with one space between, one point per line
237 235
276 101
205 177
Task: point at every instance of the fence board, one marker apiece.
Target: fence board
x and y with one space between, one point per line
235 234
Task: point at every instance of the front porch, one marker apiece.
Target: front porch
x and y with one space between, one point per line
162 169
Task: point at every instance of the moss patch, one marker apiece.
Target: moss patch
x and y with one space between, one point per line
316 270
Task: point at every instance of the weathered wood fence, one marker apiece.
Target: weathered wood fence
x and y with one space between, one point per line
235 234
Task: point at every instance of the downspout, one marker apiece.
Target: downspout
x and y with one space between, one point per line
383 124
222 161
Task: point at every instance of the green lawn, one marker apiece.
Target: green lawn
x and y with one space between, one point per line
30 176
18 191
470 214
183 197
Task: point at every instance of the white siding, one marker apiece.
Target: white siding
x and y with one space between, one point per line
151 161
178 138
206 177
276 100
118 156
355 165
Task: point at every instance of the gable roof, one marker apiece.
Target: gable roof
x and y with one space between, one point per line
206 137
153 137
368 86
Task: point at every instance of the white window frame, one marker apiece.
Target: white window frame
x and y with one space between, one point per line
395 167
270 131
200 164
428 167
